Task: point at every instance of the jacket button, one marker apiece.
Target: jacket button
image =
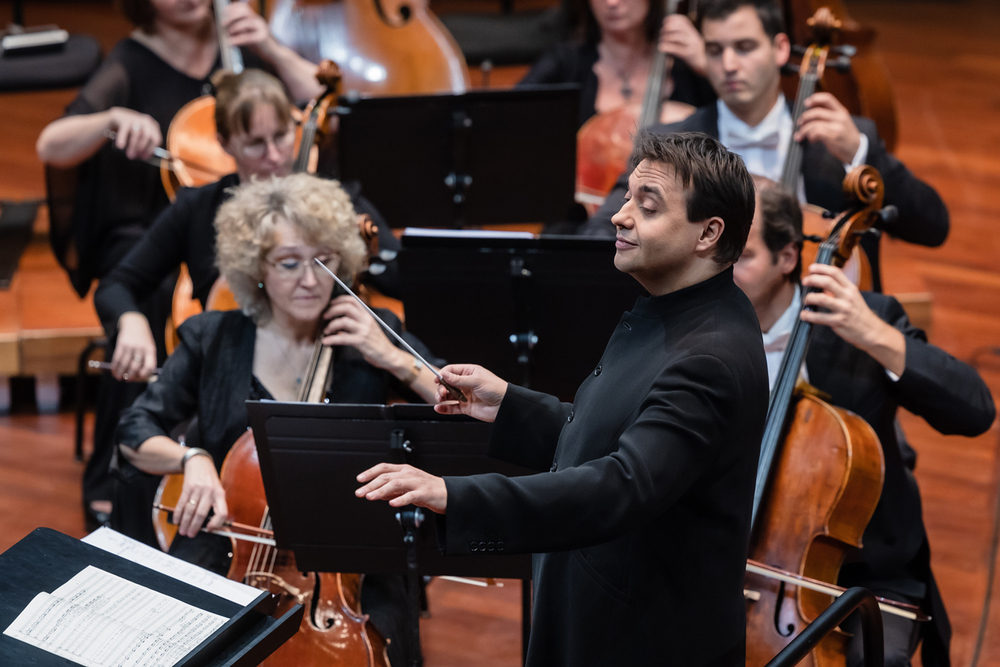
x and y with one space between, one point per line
490 546
499 546
569 418
553 468
482 546
473 546
597 371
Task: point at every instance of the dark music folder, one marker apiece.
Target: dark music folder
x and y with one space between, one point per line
46 559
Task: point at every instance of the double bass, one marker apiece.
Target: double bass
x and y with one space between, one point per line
819 478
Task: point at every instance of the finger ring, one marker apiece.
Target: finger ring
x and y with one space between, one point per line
192 502
135 127
124 376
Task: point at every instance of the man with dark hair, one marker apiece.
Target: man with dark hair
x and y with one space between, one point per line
869 359
745 49
640 517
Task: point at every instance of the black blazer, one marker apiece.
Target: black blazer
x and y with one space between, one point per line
951 397
923 217
640 522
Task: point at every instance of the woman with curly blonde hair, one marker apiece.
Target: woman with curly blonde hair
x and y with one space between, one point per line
269 236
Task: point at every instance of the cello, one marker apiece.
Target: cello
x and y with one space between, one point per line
819 478
864 89
815 224
335 630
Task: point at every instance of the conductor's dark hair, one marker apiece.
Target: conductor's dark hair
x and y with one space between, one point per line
139 12
781 221
715 181
768 11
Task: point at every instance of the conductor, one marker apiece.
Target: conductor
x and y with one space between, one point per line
639 518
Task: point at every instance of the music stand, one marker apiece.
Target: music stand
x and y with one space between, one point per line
310 456
536 311
477 158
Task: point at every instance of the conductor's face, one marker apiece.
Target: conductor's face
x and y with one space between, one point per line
655 242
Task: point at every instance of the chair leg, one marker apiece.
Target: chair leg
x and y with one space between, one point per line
81 378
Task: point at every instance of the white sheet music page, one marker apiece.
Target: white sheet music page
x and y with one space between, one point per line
98 619
143 554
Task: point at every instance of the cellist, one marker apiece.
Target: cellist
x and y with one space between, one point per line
746 46
164 63
255 127
870 359
269 234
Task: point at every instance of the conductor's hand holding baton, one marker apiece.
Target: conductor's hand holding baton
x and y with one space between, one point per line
405 485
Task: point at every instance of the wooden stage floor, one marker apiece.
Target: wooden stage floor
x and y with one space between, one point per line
944 63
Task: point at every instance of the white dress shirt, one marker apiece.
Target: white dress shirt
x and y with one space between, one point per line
764 147
776 339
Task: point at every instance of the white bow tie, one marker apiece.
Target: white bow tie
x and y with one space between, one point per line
738 139
778 343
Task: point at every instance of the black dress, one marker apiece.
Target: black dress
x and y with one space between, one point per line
102 207
571 62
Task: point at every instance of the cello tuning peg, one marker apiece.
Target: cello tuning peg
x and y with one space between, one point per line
888 215
848 50
841 64
788 69
798 49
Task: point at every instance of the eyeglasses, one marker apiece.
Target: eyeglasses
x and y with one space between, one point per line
257 149
293 268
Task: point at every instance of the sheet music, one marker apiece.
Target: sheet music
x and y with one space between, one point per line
137 552
99 619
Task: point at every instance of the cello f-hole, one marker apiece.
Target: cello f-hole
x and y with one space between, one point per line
789 629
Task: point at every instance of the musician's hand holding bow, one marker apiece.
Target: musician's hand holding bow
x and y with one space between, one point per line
135 350
202 492
484 390
403 485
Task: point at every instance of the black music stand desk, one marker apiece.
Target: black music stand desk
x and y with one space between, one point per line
46 559
538 312
476 158
310 456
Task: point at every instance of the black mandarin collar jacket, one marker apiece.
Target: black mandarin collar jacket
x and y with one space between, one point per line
640 519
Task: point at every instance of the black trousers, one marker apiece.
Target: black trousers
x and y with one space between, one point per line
901 637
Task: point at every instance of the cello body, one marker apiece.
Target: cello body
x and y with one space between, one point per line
824 491
383 48
819 478
333 631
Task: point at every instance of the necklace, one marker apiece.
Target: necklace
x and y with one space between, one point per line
626 85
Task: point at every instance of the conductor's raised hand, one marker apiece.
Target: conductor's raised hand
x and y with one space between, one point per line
403 485
483 389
